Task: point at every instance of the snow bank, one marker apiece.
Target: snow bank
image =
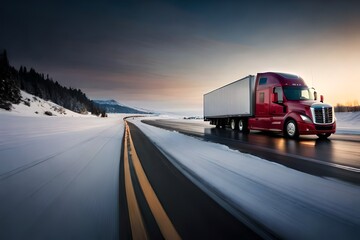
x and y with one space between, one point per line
348 122
293 204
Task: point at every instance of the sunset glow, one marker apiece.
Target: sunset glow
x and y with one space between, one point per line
165 55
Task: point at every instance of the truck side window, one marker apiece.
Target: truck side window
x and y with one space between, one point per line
279 92
261 97
262 81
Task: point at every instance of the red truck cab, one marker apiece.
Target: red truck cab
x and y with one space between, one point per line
284 103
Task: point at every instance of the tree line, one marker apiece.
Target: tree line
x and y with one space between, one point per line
343 108
12 80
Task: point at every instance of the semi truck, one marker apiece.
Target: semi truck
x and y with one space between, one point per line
270 101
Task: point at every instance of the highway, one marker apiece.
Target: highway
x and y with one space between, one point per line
189 211
336 157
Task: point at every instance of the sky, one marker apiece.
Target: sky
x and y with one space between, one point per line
164 55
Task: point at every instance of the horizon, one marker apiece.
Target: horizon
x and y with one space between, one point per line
163 56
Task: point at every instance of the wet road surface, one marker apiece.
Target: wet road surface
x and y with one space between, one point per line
336 157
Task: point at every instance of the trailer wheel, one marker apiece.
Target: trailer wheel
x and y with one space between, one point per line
233 124
243 127
291 130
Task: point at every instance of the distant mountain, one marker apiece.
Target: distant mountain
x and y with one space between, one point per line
112 106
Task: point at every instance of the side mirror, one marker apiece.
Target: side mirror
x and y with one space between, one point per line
275 98
321 98
315 95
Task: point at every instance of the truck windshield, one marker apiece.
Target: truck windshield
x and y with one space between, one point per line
298 93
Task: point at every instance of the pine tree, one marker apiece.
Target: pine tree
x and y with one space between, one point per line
4 66
9 90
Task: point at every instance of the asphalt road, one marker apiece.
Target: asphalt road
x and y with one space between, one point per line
336 157
193 213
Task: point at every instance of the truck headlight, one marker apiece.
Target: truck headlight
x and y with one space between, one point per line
305 118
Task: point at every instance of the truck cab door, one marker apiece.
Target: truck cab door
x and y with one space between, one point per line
277 112
262 105
276 104
262 116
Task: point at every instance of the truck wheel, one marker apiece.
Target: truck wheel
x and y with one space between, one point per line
243 126
291 130
233 124
323 135
217 123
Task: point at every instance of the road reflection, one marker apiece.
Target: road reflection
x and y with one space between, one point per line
327 150
339 149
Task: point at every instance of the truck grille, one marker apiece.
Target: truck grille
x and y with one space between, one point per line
323 115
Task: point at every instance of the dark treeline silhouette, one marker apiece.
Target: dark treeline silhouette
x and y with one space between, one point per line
41 86
341 108
9 90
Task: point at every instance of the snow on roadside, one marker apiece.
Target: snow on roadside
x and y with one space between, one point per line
347 122
293 204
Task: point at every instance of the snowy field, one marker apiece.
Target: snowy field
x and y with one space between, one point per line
348 123
293 204
59 177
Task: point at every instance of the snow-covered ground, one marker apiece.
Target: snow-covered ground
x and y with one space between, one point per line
348 123
293 204
31 105
59 177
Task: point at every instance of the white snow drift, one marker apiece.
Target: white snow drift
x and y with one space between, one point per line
348 123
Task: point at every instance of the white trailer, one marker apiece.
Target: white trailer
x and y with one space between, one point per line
233 100
283 103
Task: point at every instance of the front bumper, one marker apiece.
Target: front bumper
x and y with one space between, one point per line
310 128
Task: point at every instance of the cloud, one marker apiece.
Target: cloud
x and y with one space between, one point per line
163 49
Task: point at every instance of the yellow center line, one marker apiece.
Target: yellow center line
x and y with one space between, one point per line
137 225
165 225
